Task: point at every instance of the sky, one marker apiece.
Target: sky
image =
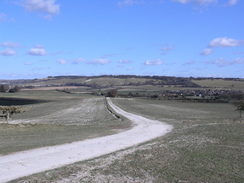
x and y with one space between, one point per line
182 38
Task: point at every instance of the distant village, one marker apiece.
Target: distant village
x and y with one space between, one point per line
198 95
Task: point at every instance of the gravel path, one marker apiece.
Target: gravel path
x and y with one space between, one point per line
37 160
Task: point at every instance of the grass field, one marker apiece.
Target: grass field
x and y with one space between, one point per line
99 81
64 119
220 84
206 145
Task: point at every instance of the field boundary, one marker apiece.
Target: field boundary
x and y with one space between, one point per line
110 109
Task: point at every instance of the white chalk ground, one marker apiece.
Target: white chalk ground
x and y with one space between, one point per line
37 160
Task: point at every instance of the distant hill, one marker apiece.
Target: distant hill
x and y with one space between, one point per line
108 81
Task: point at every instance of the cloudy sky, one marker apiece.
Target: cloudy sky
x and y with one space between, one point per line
199 38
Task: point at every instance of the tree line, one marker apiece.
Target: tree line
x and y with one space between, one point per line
7 88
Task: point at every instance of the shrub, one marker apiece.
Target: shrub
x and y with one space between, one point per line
14 89
112 93
8 111
240 107
4 88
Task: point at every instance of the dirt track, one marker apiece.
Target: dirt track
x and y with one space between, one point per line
37 160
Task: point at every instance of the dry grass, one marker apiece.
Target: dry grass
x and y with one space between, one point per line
220 83
49 88
57 122
204 146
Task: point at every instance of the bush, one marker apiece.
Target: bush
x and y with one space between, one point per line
240 107
8 111
155 96
4 88
112 93
14 89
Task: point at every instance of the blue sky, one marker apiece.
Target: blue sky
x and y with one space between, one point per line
199 38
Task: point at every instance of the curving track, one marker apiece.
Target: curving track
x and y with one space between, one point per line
37 160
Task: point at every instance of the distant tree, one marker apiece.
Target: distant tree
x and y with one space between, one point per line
8 111
4 88
14 89
154 96
112 93
130 94
240 107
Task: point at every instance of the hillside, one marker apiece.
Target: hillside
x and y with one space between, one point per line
113 81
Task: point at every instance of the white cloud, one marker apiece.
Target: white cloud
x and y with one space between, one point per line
207 51
38 46
165 49
239 61
124 61
222 62
43 6
107 55
154 62
28 63
101 61
7 52
48 17
200 2
38 50
79 60
225 42
232 2
205 2
10 44
190 63
62 61
128 3
183 1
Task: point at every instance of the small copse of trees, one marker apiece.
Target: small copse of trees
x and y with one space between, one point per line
112 93
4 88
7 88
14 89
8 111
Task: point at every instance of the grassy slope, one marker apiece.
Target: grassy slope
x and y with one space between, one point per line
67 118
99 80
220 83
204 146
116 81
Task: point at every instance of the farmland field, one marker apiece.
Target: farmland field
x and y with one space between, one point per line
206 145
64 119
220 83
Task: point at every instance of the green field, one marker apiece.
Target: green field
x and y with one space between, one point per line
206 145
61 119
220 83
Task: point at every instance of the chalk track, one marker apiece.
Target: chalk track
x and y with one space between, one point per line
37 160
